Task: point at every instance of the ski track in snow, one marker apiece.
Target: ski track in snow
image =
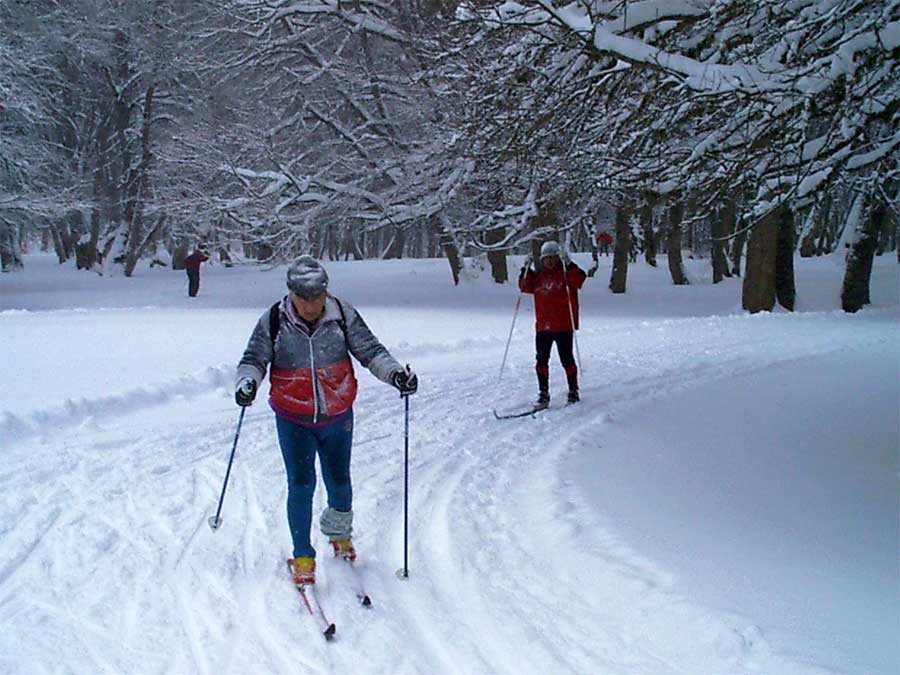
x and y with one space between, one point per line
107 564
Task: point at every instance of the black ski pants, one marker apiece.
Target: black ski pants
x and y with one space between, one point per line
544 343
193 282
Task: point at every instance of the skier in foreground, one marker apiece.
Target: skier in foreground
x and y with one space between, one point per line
555 288
307 338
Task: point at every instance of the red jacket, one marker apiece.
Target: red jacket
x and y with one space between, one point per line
551 298
192 262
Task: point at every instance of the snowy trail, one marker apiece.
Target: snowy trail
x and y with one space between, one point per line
107 565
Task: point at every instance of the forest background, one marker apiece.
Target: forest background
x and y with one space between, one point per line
742 132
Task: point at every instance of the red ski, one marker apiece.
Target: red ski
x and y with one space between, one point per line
311 602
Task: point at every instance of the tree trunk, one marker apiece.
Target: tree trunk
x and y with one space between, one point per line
737 247
887 233
311 244
62 241
182 251
85 246
759 280
536 254
10 248
646 216
692 225
450 248
497 259
785 291
351 243
543 227
825 243
814 228
91 254
722 227
88 255
855 292
69 237
394 250
58 246
120 159
676 265
434 243
590 229
83 254
334 242
264 251
619 276
138 188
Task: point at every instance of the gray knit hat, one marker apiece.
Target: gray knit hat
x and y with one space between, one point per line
306 277
550 248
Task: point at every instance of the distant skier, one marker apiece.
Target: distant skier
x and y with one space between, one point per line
307 339
605 240
192 267
556 316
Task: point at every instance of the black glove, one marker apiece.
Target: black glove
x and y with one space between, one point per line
245 392
405 381
525 267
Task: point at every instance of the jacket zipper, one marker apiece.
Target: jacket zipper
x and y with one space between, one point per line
312 371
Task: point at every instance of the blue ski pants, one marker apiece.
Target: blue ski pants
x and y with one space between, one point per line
299 447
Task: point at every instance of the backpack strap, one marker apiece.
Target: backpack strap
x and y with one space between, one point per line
275 320
342 322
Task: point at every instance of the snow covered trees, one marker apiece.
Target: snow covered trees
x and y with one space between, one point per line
865 226
109 83
340 134
24 156
134 96
777 103
384 129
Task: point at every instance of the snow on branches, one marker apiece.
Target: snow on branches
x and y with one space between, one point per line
776 100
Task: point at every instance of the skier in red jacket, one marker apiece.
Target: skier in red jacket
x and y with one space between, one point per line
192 267
555 288
605 240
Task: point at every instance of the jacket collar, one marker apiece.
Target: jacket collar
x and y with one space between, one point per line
332 313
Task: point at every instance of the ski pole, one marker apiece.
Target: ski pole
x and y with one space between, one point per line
404 573
214 521
509 339
571 314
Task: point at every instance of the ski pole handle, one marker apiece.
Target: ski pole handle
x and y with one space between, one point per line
406 394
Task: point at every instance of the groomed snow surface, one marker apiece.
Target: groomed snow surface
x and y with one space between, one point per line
724 499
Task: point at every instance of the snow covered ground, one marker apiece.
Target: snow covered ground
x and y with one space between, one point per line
724 500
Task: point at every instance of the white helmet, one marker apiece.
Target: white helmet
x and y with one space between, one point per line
550 248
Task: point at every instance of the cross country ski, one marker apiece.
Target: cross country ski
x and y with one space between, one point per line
310 599
531 412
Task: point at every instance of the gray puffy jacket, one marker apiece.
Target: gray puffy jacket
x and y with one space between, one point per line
311 375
